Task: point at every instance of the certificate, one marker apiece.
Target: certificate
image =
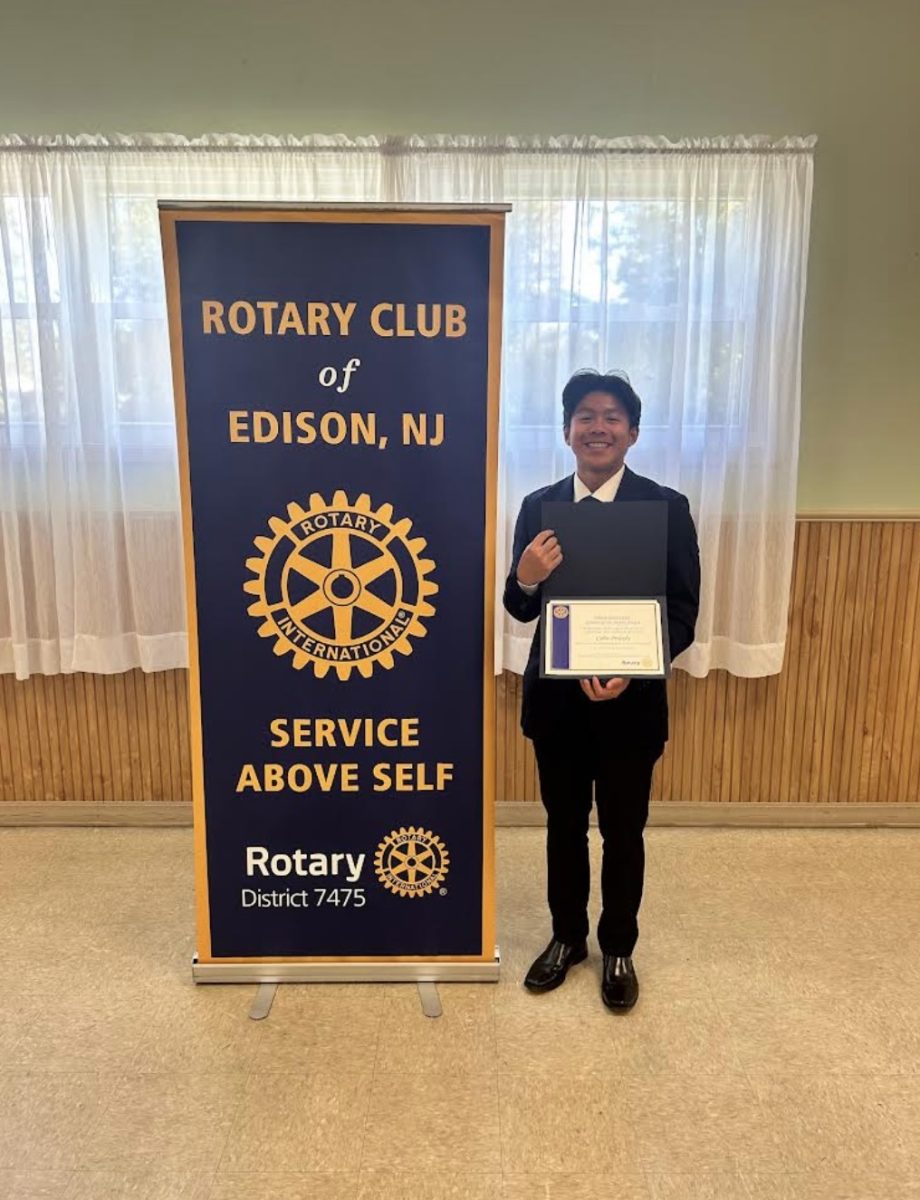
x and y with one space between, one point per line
603 637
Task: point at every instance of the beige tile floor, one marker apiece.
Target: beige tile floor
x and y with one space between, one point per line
774 1053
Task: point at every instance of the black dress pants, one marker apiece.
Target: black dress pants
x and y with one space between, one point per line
620 779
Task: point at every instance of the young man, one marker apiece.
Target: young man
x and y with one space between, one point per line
589 735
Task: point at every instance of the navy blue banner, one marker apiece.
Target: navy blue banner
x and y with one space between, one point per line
336 379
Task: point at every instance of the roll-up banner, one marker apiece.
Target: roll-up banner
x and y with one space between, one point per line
336 374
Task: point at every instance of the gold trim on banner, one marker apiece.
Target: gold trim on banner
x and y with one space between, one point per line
174 310
344 206
493 217
338 216
496 298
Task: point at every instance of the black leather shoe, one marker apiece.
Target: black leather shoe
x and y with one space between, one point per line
549 969
620 987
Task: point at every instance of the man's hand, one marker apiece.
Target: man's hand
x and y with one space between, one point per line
540 559
595 690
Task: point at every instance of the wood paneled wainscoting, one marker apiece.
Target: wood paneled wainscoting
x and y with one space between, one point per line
833 739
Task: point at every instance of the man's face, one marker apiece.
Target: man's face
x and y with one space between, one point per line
599 433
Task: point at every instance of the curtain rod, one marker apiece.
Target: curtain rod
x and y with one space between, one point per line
409 145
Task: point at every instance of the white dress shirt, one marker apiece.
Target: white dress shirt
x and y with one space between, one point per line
606 492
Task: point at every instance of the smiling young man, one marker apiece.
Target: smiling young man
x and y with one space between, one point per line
593 737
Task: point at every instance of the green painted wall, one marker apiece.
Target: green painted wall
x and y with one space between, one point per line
844 70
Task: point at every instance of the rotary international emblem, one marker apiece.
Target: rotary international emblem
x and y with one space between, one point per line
411 862
341 586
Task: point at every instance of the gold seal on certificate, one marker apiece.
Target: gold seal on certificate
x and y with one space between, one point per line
603 637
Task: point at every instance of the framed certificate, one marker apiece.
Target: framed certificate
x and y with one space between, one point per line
612 636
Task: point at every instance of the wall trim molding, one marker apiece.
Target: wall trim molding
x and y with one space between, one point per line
746 816
152 813
163 814
891 514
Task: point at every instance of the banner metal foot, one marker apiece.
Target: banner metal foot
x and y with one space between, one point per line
430 998
262 1003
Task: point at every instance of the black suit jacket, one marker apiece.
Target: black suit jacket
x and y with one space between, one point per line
639 717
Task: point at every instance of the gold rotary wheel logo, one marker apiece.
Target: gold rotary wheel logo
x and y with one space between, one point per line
411 862
341 586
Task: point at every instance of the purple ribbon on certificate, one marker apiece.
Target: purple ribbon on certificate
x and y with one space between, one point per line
560 636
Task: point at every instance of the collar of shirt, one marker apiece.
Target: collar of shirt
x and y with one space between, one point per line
605 492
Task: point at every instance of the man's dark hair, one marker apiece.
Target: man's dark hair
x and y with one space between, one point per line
614 383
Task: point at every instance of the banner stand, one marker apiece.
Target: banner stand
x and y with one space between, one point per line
336 379
348 972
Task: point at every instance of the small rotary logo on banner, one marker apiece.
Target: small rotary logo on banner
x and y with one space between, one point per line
411 862
341 586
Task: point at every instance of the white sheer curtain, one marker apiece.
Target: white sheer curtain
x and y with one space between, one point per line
682 263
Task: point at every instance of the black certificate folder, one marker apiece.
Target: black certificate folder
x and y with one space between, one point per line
616 549
613 553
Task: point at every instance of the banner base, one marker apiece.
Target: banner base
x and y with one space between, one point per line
348 972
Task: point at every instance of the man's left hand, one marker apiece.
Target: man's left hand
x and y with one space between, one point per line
595 690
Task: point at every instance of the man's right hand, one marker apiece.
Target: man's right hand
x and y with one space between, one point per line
540 559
